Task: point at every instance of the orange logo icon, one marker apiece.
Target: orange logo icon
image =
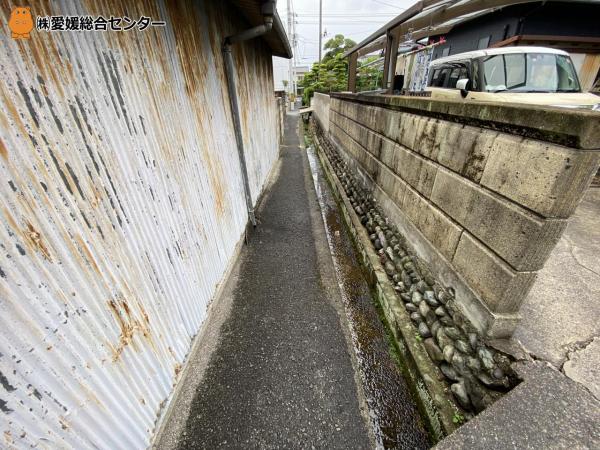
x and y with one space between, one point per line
21 22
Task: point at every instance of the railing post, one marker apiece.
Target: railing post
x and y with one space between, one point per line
352 63
389 65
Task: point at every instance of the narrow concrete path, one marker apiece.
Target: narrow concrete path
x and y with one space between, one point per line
282 375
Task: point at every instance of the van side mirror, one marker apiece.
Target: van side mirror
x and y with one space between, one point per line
462 85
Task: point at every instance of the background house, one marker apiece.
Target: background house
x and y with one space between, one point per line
570 26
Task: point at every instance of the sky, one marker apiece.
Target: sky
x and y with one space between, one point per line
355 19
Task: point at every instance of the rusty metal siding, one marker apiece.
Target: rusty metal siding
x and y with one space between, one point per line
121 205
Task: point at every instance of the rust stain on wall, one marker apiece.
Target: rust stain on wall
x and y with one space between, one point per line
36 243
128 326
120 169
3 151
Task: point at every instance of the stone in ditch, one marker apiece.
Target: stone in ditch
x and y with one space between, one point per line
377 244
411 307
401 286
473 364
429 280
417 298
480 399
435 326
458 362
389 268
442 339
448 352
429 297
382 239
390 253
459 320
440 311
491 382
424 330
449 372
416 317
473 340
486 357
447 320
430 318
460 393
498 373
406 279
358 210
424 308
433 350
405 297
422 287
502 362
453 333
485 378
462 345
373 237
443 297
364 220
397 278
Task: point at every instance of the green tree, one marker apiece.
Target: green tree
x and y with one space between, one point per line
338 45
369 75
331 74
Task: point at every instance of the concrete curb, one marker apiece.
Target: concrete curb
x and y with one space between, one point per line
422 375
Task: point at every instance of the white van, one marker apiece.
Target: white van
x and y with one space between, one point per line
532 75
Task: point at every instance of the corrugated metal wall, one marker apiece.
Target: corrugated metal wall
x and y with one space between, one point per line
121 205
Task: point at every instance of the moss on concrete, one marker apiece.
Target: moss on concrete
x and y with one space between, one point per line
572 128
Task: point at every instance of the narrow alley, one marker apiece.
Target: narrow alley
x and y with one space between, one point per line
284 373
258 224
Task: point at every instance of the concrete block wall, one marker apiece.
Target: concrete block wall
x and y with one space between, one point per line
483 192
320 103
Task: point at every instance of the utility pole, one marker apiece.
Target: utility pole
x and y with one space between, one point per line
294 44
291 36
320 27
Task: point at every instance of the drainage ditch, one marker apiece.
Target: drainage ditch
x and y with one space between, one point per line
393 412
455 373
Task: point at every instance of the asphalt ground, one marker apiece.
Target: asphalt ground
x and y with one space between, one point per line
282 374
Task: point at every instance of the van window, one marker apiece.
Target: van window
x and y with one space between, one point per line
453 77
515 71
493 69
434 77
439 76
457 73
441 82
530 72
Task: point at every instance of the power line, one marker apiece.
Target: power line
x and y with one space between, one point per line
388 4
347 15
357 22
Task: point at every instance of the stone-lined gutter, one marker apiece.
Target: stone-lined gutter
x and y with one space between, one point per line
453 376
